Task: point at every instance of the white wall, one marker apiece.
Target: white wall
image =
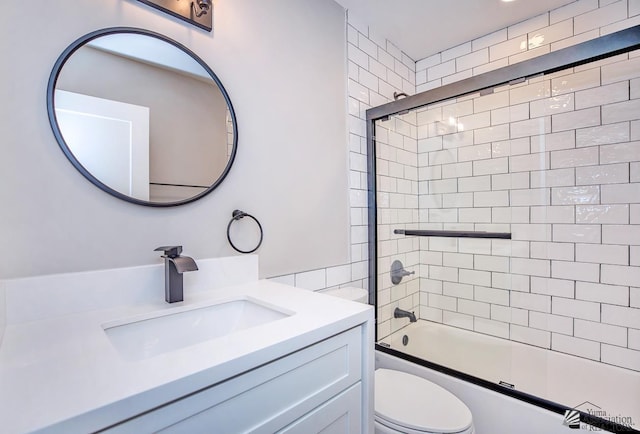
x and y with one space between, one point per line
282 63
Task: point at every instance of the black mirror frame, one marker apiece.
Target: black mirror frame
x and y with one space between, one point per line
53 78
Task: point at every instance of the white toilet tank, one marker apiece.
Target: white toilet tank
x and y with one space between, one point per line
349 293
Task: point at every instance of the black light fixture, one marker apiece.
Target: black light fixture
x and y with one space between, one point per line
196 12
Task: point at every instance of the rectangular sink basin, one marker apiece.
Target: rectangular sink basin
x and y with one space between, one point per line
165 332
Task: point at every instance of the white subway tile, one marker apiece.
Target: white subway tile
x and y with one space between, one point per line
553 178
510 181
489 40
622 316
490 327
600 293
492 101
577 347
634 7
490 166
508 48
606 174
473 277
505 148
442 302
492 134
531 267
577 119
531 232
621 111
474 183
475 246
457 200
634 175
572 9
603 135
536 126
552 214
576 308
472 153
634 339
577 233
474 308
441 70
587 79
491 263
456 51
551 323
443 273
619 153
491 295
428 62
527 163
430 144
622 357
555 250
538 338
553 287
474 215
574 40
457 290
530 92
312 280
634 256
634 214
457 260
553 142
620 71
443 157
602 253
509 315
512 113
620 275
456 319
530 197
549 106
605 214
600 17
439 186
457 140
621 234
602 95
575 157
490 198
620 193
510 214
575 271
579 195
456 170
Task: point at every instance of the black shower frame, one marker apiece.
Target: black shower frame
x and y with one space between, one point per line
586 52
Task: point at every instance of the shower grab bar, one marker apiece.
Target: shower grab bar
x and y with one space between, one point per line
453 234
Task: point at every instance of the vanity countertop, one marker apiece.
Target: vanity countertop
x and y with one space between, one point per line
65 369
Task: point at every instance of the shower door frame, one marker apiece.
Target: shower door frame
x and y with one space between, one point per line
590 51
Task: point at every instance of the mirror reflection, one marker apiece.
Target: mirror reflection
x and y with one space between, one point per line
143 117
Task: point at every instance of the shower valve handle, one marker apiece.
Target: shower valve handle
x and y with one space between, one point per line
398 272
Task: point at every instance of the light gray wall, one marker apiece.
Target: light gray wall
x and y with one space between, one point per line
283 64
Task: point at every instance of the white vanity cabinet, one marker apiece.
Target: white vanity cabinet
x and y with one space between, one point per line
317 388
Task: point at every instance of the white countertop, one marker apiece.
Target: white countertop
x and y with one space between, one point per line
65 367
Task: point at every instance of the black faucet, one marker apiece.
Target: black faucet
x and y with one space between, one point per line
174 266
399 313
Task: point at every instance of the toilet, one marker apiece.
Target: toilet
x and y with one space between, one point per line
408 404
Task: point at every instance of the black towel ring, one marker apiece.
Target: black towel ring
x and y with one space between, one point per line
237 215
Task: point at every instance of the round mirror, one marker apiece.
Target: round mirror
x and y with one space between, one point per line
142 117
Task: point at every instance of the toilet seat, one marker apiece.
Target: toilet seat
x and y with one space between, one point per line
411 404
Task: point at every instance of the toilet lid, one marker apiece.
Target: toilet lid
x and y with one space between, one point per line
413 402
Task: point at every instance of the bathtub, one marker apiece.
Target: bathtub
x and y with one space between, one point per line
595 388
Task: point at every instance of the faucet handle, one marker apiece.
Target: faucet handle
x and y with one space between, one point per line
170 251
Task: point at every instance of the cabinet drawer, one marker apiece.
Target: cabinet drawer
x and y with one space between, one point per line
341 415
265 399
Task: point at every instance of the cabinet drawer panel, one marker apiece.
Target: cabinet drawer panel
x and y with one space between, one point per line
340 415
265 399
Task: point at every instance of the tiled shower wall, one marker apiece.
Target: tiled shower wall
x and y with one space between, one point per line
556 162
376 70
